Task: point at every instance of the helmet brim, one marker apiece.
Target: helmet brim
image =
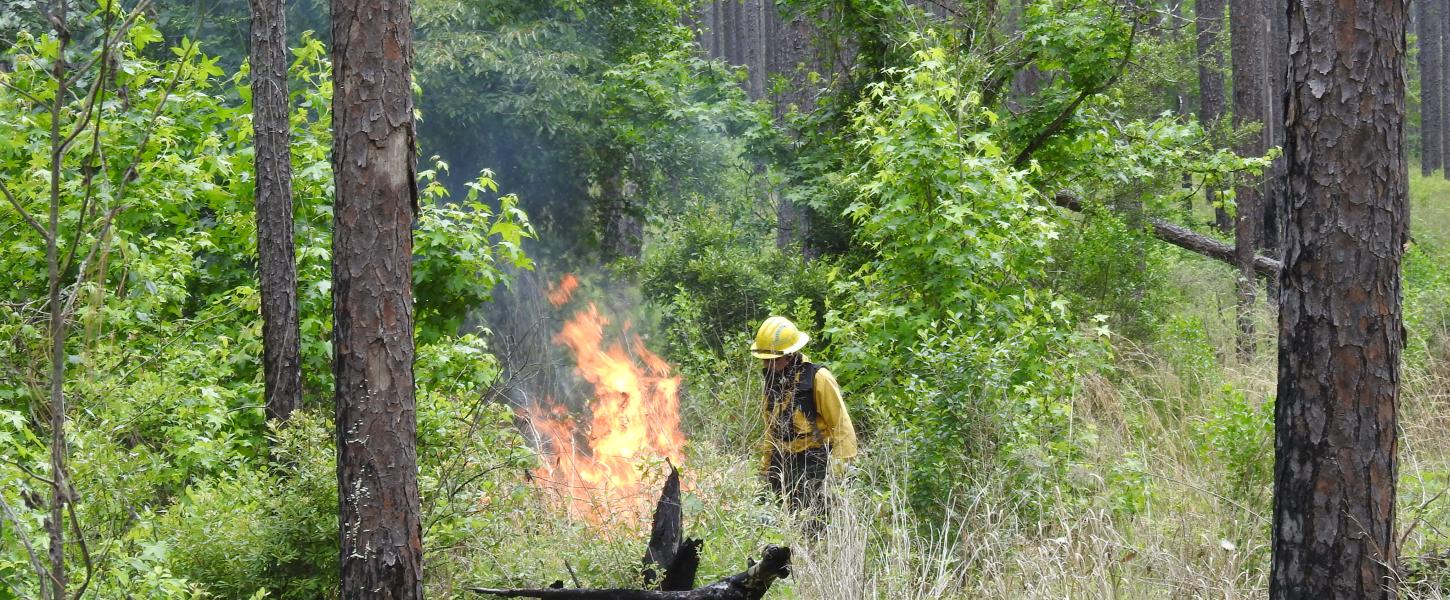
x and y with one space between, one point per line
764 354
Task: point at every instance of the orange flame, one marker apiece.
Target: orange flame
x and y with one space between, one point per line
561 292
634 418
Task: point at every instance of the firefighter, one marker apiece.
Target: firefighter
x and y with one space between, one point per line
808 431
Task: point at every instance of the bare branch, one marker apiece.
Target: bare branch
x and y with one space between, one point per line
75 523
29 219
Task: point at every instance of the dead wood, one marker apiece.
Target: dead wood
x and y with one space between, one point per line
1185 238
750 584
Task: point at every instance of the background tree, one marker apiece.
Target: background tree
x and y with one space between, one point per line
1340 328
1248 29
276 256
1432 126
1209 23
1276 60
381 551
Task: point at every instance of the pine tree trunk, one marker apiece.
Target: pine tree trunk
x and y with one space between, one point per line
1444 129
1209 22
1275 181
1432 125
793 55
373 161
754 50
1247 31
1340 328
276 256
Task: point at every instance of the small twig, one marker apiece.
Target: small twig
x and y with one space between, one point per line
27 471
75 523
572 575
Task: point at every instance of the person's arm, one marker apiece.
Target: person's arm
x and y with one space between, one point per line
835 421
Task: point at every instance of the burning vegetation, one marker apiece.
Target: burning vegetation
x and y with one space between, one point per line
632 420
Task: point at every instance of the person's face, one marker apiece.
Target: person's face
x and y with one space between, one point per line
777 364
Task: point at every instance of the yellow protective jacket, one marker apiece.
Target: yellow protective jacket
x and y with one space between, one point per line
832 427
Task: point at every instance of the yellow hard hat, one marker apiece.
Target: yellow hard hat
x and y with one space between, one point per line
778 337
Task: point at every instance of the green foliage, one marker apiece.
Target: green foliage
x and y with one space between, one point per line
170 454
718 280
947 311
1239 436
587 107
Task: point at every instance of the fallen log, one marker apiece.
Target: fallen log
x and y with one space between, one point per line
1185 238
750 584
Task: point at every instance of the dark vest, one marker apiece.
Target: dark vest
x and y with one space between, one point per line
802 399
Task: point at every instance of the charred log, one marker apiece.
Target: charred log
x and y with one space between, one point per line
750 584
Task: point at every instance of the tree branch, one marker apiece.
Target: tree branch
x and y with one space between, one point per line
1185 238
29 219
1062 118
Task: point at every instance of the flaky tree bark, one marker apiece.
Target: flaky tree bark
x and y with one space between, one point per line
1209 22
1248 30
373 162
276 256
1340 329
1432 125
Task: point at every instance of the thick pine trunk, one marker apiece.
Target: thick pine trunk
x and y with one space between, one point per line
1209 22
373 162
1432 125
276 257
1340 329
1248 30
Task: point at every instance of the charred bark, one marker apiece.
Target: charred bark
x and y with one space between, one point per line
1185 238
668 550
1209 21
373 153
276 255
1340 325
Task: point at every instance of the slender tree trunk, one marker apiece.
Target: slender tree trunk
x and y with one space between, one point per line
1209 22
1276 176
1340 328
749 35
793 55
1432 125
373 162
1444 87
1247 31
55 525
1444 129
276 258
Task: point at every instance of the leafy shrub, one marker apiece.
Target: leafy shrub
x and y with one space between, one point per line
717 280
